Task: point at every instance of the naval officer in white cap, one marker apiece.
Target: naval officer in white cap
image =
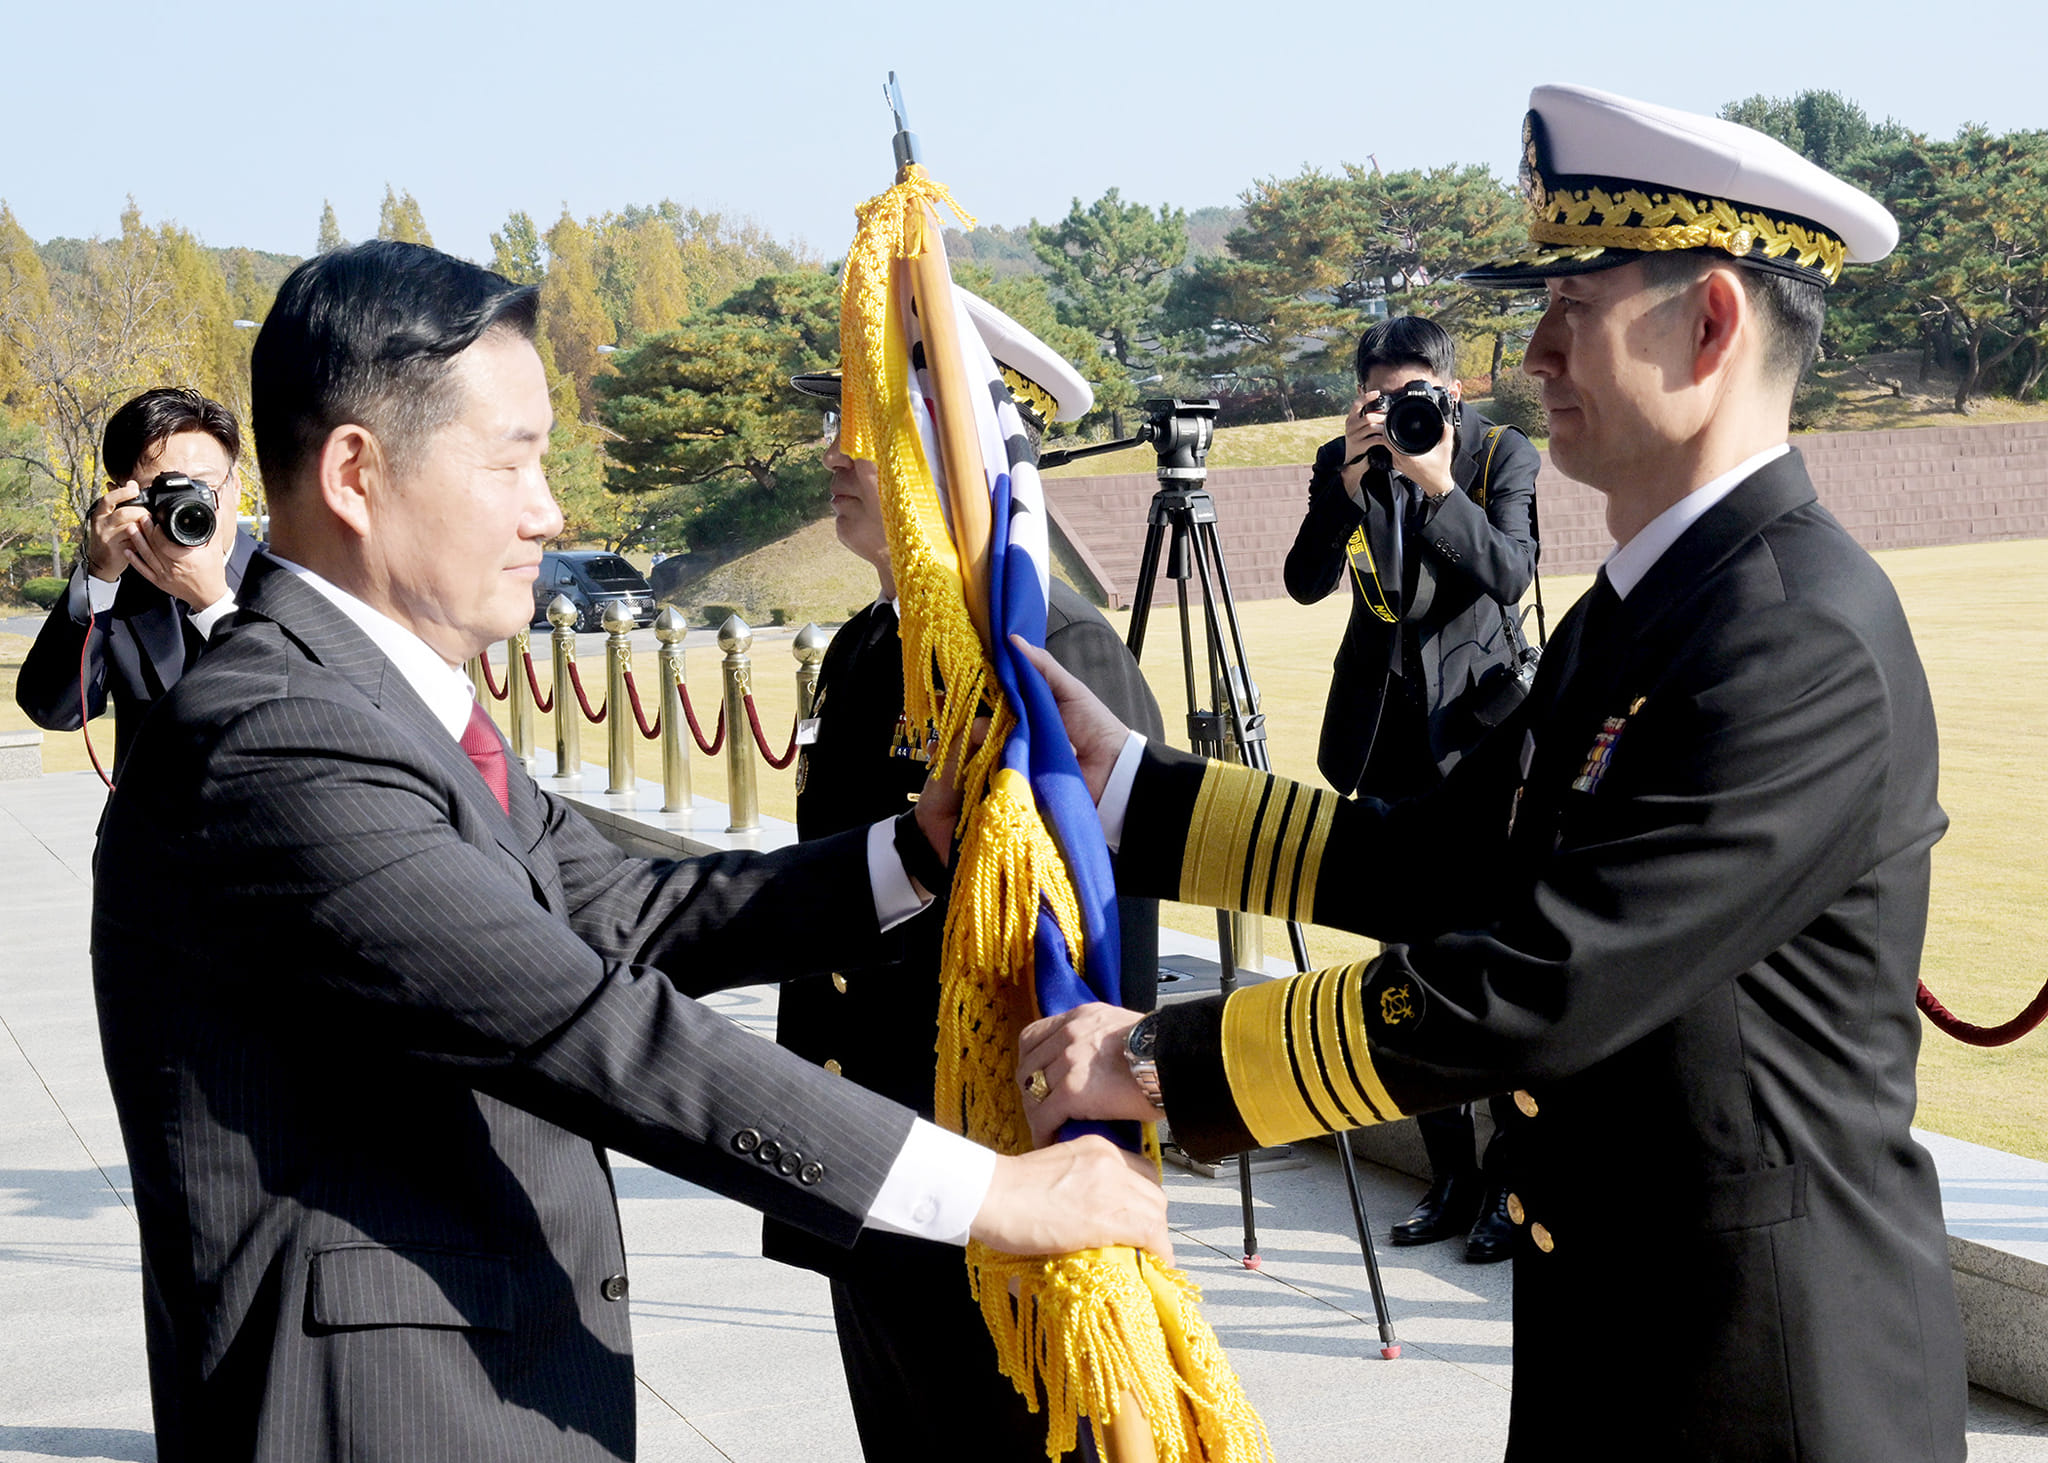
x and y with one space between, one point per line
1714 813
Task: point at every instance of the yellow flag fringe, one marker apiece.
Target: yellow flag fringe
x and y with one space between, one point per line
1079 1330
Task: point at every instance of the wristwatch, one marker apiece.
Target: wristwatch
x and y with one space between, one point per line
1141 1050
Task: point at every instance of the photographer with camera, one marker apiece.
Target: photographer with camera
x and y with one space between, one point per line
1427 509
161 565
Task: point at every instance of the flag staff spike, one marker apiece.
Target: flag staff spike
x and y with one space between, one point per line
908 153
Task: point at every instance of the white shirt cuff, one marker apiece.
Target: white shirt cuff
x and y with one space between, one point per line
935 1187
1116 793
896 898
204 620
99 594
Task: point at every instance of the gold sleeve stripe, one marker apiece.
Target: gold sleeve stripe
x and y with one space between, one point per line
1255 842
1313 1021
1328 1035
1286 835
1295 1054
1322 814
1255 1061
1352 1049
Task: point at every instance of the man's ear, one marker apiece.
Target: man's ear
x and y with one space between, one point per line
350 472
1724 324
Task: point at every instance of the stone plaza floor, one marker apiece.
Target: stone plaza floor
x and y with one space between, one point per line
735 1355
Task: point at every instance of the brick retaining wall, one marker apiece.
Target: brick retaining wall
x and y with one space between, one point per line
1899 489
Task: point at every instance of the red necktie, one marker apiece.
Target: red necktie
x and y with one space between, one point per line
486 749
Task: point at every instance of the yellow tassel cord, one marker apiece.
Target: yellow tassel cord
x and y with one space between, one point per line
1080 1330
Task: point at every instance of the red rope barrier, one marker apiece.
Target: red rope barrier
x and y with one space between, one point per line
710 748
498 692
596 718
639 716
542 704
754 720
1947 1021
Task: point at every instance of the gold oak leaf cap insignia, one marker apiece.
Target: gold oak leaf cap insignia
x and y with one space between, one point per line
1609 179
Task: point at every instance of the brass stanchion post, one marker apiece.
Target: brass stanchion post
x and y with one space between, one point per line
669 629
743 802
618 717
568 713
479 678
519 696
809 650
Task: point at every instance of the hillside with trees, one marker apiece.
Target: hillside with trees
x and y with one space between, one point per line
668 333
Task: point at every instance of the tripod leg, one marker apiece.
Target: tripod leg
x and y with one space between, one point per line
1390 1346
1141 605
1252 748
1227 958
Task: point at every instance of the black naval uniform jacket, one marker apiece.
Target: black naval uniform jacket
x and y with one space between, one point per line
877 1025
1707 832
369 1037
1462 561
135 653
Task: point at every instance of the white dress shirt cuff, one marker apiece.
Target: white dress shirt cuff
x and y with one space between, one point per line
896 898
99 595
1116 793
204 620
935 1186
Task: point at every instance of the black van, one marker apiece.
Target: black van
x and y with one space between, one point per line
593 579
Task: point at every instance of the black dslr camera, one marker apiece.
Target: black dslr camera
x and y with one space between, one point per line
1417 415
185 510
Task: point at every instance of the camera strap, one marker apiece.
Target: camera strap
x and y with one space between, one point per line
1508 618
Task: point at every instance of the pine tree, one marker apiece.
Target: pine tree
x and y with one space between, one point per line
330 231
401 218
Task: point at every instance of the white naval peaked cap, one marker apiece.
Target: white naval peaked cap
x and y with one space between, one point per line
1043 382
1608 178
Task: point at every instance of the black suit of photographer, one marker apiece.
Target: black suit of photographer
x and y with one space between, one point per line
1423 650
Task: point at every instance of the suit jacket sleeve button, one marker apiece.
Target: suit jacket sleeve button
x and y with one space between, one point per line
614 1287
811 1173
1516 1214
832 1066
769 1151
1526 1103
1542 1238
790 1165
746 1140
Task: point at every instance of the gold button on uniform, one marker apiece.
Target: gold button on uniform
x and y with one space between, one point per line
1542 1237
839 983
1515 1210
832 1066
1526 1103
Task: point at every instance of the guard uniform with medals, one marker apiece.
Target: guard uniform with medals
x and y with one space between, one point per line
1712 819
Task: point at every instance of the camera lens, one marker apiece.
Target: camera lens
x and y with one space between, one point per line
1414 425
190 523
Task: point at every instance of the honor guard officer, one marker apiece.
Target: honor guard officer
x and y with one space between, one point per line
920 1367
1712 819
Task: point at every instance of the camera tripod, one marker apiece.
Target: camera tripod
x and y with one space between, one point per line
1181 523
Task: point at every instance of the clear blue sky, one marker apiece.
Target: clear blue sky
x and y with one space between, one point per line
238 119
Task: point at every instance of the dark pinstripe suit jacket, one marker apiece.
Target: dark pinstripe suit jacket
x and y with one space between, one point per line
369 1038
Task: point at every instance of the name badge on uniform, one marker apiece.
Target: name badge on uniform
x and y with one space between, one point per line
807 731
1602 751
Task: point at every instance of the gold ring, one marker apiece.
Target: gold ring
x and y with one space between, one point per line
1036 1085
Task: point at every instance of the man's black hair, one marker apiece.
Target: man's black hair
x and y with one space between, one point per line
1792 310
1408 340
144 423
369 335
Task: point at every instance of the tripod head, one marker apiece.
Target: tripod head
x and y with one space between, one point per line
1180 433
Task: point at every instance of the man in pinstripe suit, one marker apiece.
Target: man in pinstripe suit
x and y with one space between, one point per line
366 1092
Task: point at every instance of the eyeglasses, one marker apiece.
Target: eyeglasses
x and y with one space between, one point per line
831 425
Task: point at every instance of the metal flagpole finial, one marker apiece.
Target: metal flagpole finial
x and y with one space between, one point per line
905 142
